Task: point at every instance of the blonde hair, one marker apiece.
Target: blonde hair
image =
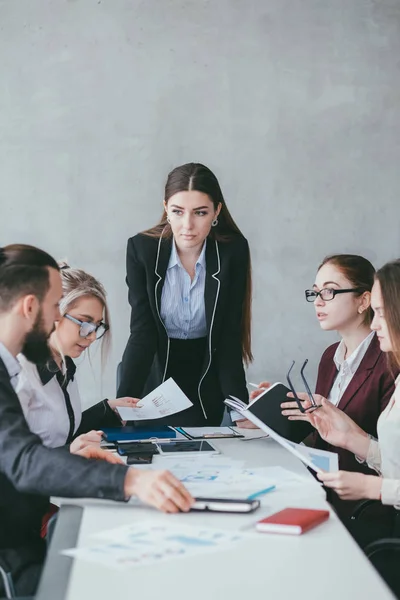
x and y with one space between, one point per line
76 284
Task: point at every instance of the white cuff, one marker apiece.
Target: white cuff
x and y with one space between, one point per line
236 416
390 492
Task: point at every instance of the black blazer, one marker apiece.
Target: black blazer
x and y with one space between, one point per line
30 473
145 359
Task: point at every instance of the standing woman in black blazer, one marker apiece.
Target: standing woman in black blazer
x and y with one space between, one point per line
189 280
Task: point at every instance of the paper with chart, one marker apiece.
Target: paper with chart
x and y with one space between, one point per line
318 460
149 543
166 399
228 478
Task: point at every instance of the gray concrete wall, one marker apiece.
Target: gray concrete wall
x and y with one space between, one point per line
294 103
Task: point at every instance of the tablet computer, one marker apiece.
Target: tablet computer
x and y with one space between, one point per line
186 447
136 448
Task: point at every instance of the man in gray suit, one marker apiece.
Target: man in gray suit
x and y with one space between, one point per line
30 290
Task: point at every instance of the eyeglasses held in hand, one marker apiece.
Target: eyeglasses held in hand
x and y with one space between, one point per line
87 328
314 405
327 294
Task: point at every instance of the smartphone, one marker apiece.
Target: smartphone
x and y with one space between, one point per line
136 448
139 459
186 447
225 505
107 446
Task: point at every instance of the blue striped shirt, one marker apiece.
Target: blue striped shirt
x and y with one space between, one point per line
182 300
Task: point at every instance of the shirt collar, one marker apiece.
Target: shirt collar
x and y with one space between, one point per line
353 361
49 370
175 260
11 363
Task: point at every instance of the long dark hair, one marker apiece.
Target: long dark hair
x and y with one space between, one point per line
359 271
199 178
389 280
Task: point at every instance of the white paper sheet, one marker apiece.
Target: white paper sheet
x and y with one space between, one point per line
166 399
227 477
318 460
136 545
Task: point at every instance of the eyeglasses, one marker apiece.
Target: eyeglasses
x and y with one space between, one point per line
327 294
86 328
314 405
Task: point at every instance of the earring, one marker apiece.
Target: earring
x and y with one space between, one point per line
360 311
168 221
214 223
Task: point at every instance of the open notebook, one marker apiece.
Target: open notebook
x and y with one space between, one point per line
265 412
267 407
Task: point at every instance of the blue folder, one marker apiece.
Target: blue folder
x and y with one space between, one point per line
130 433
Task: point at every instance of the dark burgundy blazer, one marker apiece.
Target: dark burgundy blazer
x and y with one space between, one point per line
363 400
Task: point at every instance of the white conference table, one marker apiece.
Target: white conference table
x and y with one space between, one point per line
323 563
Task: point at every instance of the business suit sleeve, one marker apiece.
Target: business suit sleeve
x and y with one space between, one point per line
141 347
229 351
33 468
96 417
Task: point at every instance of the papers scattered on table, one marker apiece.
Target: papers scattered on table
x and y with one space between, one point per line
226 477
166 399
137 545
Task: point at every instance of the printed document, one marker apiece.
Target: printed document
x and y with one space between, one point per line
148 543
167 399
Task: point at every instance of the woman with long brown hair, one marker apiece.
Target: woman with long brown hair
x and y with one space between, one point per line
353 373
382 454
189 281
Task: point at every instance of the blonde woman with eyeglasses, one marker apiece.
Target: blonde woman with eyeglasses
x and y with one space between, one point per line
49 393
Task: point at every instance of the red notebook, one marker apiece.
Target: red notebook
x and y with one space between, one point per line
293 521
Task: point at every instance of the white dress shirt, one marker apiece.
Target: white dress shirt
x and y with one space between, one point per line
384 455
347 367
183 308
44 404
12 365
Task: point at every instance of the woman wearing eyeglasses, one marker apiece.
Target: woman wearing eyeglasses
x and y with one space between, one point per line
353 373
382 454
49 393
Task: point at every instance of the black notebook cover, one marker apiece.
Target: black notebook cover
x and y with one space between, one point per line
267 408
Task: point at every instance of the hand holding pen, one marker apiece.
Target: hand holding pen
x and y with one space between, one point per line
260 388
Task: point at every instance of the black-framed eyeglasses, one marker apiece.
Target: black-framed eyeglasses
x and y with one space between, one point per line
327 294
314 405
86 328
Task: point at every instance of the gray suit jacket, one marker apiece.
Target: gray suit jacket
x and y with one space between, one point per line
30 473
